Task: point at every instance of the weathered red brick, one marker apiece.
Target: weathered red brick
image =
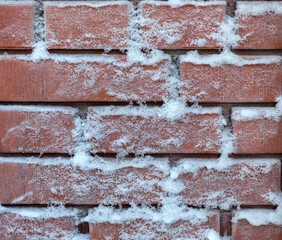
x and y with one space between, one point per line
87 25
16 26
36 129
231 83
261 134
243 230
24 183
141 228
189 26
17 227
140 130
246 182
259 31
91 79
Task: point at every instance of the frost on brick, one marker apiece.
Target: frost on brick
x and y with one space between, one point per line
83 78
210 78
192 28
37 224
106 181
207 182
69 26
149 223
259 24
151 130
36 129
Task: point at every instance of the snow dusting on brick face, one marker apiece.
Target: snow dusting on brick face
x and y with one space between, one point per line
260 25
91 79
145 130
257 130
63 183
18 20
244 182
258 79
27 129
13 226
166 25
87 26
144 229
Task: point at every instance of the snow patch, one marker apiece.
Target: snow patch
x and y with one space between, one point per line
258 8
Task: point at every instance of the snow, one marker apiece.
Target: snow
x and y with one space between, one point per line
258 217
37 108
227 57
98 4
180 3
16 2
255 113
258 8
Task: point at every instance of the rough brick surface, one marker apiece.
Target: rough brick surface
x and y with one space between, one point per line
111 79
230 83
25 130
263 135
245 182
87 26
43 184
259 31
16 26
187 26
121 132
156 230
16 227
243 230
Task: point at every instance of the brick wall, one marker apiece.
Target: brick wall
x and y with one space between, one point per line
140 120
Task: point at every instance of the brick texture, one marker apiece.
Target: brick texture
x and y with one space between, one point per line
178 230
188 26
262 135
243 230
36 131
16 26
70 27
90 80
259 31
245 182
137 134
43 184
16 227
254 83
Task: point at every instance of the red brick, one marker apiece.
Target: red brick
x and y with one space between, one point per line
16 26
259 31
261 135
87 25
243 230
156 230
119 129
89 80
16 227
189 26
35 130
33 183
231 83
246 182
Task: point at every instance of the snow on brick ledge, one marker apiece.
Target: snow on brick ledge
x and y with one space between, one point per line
168 25
259 25
257 130
87 25
230 78
82 78
150 130
36 129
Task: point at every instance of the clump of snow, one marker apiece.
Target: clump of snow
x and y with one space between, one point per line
257 217
227 36
258 8
16 2
255 113
180 3
63 4
227 57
